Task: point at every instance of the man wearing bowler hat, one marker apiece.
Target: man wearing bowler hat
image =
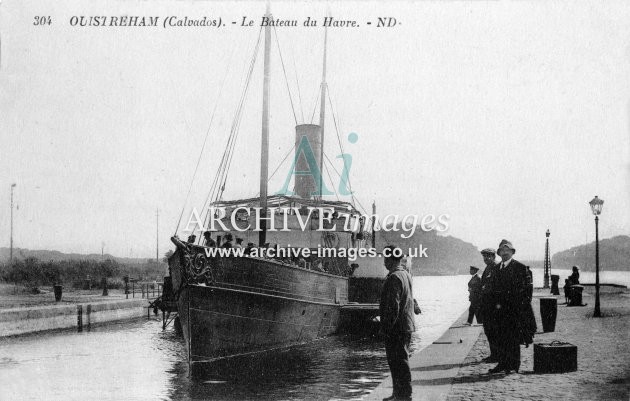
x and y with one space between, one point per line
509 298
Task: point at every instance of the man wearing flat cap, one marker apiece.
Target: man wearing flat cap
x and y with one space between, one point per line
487 304
509 299
397 322
474 296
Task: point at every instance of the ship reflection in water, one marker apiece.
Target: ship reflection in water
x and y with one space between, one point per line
137 360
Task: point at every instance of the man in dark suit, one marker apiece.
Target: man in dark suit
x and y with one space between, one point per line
397 322
487 303
509 296
474 296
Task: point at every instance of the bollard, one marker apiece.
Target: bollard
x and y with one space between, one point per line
79 318
575 297
88 312
548 312
554 284
126 280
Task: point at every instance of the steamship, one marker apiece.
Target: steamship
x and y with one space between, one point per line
230 306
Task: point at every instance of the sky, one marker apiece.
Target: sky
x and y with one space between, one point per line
507 116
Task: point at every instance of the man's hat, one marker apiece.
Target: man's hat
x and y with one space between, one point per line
488 251
228 236
239 239
506 244
250 244
474 268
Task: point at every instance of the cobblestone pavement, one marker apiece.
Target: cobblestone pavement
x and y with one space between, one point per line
603 358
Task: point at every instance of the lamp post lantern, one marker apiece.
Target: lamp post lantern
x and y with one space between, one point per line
596 207
547 261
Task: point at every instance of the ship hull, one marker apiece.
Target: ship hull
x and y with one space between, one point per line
257 305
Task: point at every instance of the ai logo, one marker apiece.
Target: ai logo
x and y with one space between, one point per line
304 148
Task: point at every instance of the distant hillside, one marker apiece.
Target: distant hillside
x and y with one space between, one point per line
614 254
44 255
446 255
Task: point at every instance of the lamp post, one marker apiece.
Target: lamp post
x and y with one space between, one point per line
596 207
11 251
547 261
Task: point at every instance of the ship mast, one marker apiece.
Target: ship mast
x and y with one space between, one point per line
264 156
322 116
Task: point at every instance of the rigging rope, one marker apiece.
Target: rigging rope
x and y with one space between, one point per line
333 167
297 83
236 123
279 165
236 127
316 102
332 183
212 193
338 137
285 74
227 71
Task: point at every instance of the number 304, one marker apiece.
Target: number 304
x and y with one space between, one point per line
44 20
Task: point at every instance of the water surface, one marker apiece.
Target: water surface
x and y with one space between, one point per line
138 361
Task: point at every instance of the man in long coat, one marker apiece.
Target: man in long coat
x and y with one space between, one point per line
397 322
487 304
509 297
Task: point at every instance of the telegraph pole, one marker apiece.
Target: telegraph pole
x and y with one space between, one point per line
11 251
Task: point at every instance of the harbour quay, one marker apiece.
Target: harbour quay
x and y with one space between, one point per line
28 314
452 368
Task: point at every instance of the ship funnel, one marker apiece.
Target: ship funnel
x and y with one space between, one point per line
308 148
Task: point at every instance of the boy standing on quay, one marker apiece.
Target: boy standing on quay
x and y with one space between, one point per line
397 322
